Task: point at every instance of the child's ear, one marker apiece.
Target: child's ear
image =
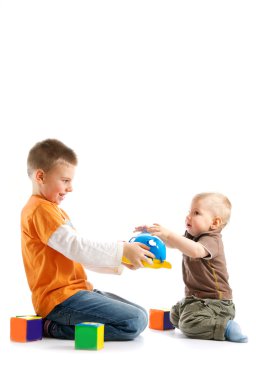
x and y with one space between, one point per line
216 223
39 176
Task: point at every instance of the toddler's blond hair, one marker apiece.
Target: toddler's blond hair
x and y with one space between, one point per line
219 204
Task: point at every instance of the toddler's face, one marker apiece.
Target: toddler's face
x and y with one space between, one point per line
57 182
200 218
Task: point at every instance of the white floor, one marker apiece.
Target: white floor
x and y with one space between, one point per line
154 354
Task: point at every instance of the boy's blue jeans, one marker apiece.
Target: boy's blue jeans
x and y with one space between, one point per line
123 320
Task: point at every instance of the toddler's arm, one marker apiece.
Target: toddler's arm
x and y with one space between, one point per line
171 239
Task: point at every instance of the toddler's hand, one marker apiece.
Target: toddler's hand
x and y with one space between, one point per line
143 228
156 230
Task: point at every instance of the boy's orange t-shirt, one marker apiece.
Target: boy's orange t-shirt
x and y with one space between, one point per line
51 276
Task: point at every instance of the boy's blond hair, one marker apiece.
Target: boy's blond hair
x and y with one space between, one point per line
45 154
219 204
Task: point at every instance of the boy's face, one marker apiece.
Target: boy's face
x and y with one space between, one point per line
57 182
200 218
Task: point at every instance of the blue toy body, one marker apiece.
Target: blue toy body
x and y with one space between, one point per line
156 245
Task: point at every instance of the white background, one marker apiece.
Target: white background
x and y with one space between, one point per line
158 100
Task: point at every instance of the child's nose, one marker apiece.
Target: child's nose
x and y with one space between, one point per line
188 217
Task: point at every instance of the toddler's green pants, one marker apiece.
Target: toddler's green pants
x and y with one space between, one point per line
202 318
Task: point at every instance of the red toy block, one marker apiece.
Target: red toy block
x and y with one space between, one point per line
26 328
159 319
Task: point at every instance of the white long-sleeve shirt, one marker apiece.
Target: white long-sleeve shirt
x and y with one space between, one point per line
104 257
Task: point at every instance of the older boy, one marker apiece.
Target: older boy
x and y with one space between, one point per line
54 255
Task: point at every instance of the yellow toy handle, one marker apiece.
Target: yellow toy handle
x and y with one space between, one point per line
156 264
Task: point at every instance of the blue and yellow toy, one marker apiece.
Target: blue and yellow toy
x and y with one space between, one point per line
157 247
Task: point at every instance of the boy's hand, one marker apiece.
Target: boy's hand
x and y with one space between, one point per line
136 253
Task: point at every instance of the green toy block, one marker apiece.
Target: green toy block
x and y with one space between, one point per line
89 336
